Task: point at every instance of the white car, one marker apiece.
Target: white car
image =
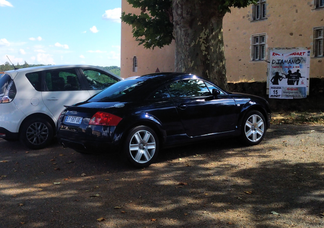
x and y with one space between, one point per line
31 99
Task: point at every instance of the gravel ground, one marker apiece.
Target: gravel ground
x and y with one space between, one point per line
279 183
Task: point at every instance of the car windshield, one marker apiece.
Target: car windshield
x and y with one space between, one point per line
7 88
117 91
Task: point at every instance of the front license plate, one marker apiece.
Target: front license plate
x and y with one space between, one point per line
73 119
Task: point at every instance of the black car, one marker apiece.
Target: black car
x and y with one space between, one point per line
140 115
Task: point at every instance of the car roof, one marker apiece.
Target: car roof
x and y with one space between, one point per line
163 77
52 67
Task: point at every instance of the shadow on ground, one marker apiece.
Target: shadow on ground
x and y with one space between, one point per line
211 184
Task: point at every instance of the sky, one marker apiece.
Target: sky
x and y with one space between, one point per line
60 32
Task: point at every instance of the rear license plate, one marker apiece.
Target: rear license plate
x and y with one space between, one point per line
73 119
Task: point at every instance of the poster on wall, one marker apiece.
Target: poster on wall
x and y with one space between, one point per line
288 74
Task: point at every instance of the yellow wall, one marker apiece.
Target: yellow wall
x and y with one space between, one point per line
148 61
288 24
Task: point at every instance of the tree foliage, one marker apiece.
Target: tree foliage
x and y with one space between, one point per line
196 26
153 26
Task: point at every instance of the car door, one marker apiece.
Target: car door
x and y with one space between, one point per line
200 111
62 87
161 106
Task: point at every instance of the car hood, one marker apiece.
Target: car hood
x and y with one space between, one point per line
245 95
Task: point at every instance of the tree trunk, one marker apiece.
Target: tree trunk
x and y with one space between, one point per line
198 32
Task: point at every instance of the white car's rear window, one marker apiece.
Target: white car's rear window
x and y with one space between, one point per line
7 89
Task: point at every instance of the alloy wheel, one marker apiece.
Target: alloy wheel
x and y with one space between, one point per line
254 128
142 146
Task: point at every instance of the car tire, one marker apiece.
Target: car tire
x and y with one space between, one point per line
253 128
36 133
141 146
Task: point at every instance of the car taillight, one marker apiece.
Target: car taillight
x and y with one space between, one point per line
5 99
105 119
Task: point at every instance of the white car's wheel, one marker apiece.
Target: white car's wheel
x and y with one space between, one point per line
36 133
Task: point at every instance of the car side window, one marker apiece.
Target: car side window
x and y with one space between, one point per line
161 93
98 80
62 80
35 79
188 88
211 87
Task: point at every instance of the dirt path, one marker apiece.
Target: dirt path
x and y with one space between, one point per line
279 183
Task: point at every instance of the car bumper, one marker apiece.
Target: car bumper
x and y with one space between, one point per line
86 139
5 134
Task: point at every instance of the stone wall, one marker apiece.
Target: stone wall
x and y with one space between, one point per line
314 102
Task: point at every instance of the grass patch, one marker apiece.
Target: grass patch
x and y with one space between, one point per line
314 118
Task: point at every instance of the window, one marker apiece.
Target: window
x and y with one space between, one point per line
258 47
62 80
259 10
35 79
134 64
7 89
188 88
319 3
98 80
211 87
161 93
318 41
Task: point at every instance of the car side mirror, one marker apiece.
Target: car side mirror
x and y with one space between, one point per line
215 92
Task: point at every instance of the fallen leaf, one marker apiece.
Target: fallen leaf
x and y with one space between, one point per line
100 219
117 207
182 183
248 192
274 213
153 220
95 195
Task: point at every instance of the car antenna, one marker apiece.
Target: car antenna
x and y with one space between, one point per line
11 63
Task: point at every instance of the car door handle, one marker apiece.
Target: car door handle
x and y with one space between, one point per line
182 106
52 99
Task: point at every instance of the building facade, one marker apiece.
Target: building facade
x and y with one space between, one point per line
249 34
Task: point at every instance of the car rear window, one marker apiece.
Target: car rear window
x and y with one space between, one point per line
7 89
117 91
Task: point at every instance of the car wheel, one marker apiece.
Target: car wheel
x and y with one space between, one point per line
253 128
141 146
36 133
